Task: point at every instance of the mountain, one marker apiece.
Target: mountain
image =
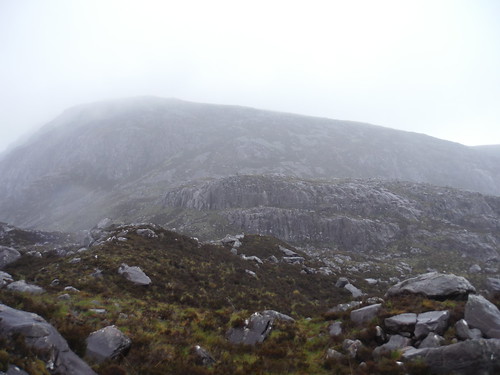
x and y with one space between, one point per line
120 157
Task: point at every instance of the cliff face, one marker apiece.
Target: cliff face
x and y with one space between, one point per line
351 215
111 158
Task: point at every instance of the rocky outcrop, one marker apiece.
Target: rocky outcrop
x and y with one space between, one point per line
44 339
433 285
134 274
469 357
483 315
22 287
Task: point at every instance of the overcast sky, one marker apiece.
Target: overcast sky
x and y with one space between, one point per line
427 66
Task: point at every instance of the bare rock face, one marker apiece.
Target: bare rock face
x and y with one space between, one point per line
107 343
434 285
134 274
471 357
482 314
42 338
8 255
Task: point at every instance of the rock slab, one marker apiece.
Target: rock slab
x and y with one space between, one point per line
134 274
107 343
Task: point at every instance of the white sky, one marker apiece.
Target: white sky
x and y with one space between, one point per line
427 66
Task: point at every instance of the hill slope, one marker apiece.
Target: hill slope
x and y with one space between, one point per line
95 156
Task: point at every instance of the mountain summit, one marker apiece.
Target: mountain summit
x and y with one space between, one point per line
98 159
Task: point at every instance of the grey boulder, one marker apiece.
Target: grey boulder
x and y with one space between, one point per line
465 333
44 339
134 274
471 357
432 340
204 357
431 321
401 323
257 328
484 315
493 284
107 343
356 293
5 278
22 287
8 255
335 329
395 342
433 285
365 314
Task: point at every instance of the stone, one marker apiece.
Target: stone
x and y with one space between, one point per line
107 343
365 314
483 315
431 321
134 274
401 323
205 358
8 255
104 223
293 260
351 347
147 233
257 328
380 335
471 357
493 284
343 307
288 252
251 273
335 329
14 370
5 279
374 300
22 287
252 258
395 342
465 333
371 281
356 293
475 268
434 285
54 282
432 340
333 355
42 338
69 288
64 297
341 282
75 260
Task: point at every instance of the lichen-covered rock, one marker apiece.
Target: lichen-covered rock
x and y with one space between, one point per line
107 343
44 339
471 357
365 314
22 287
434 285
134 274
482 314
8 255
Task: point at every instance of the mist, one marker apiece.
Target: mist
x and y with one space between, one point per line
428 67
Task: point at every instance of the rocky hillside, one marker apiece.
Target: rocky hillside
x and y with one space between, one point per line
101 159
138 299
374 218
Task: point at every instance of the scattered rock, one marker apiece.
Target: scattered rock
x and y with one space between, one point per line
252 258
493 284
434 285
251 273
395 342
107 343
147 233
475 268
333 355
401 323
293 260
257 328
341 282
365 314
104 223
356 293
64 297
335 329
431 341
482 314
465 333
351 347
343 307
44 339
463 358
22 287
75 260
134 274
5 279
8 255
288 252
205 358
371 281
431 321
69 288
98 311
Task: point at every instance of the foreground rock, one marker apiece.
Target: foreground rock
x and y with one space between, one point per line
471 357
107 343
42 338
134 274
434 285
257 328
482 314
8 255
